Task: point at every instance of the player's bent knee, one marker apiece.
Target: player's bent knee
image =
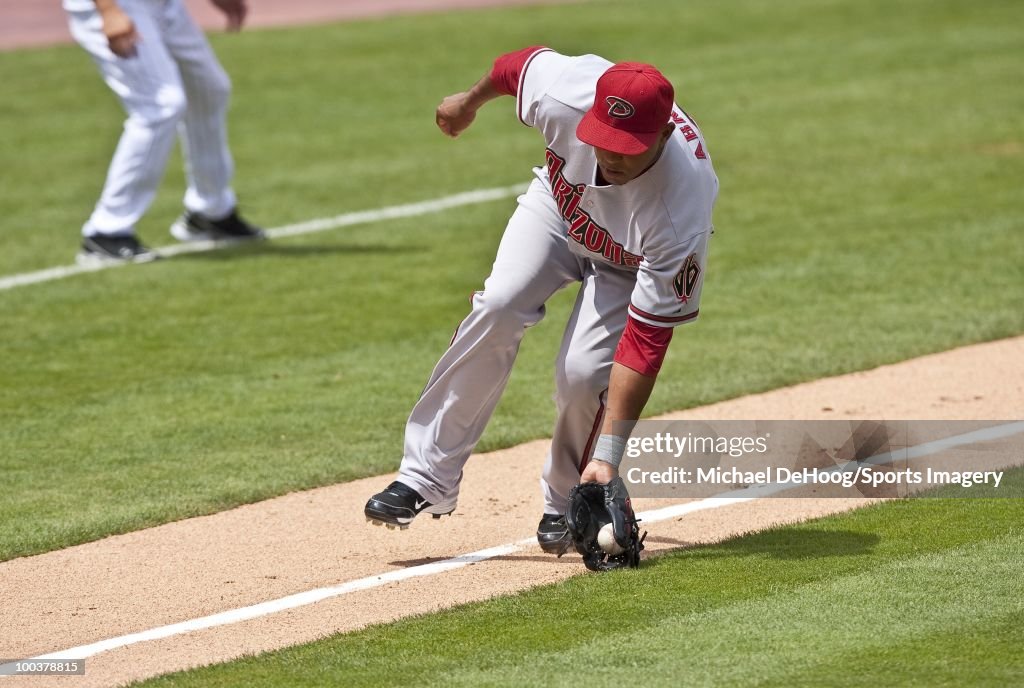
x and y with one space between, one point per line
582 377
167 106
218 92
506 310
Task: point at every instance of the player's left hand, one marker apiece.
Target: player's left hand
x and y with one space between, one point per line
599 472
234 10
592 507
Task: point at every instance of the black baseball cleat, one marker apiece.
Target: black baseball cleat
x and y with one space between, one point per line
195 227
126 248
553 535
398 505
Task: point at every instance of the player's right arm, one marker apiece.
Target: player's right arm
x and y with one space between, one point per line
457 111
118 28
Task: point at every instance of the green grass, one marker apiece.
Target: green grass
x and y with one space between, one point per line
911 593
870 156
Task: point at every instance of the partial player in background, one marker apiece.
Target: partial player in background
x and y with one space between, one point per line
157 61
622 207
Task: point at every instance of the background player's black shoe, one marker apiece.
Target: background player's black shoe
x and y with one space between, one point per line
553 535
126 248
398 505
195 227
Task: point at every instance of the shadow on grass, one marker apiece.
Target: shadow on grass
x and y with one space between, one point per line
794 543
262 248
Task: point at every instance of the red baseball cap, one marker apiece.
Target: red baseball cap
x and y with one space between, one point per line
633 102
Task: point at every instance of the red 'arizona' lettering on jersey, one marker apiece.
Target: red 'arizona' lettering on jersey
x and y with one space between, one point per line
582 228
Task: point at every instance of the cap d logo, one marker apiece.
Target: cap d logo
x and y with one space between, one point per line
619 108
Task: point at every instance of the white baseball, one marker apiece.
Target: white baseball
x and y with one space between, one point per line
606 538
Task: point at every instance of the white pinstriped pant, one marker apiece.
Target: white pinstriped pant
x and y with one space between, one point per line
173 84
532 263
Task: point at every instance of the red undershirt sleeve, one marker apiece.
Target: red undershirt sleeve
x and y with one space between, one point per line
509 68
643 347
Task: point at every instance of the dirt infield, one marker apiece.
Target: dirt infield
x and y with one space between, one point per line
29 23
309 540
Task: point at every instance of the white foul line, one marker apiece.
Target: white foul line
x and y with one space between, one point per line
308 597
318 225
319 594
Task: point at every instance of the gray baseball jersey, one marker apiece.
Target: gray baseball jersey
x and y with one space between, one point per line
658 224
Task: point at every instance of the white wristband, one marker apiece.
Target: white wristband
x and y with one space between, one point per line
610 449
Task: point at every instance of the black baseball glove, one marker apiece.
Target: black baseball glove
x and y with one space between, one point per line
591 507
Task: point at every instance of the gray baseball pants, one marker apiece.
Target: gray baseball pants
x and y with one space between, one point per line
533 262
